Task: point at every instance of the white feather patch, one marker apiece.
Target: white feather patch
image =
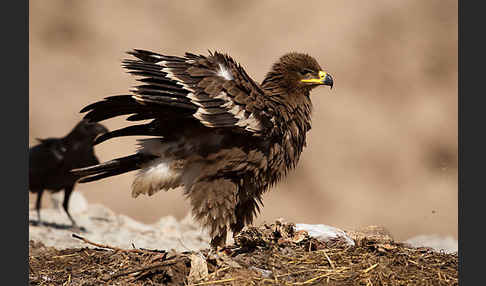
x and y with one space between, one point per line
156 176
224 72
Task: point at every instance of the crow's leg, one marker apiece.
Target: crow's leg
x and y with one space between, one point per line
67 195
38 204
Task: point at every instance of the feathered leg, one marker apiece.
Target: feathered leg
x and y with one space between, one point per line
246 209
213 205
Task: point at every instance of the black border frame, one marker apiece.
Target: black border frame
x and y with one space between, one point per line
15 140
15 128
471 144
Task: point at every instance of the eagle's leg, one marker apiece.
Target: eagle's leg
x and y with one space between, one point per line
246 209
219 239
213 205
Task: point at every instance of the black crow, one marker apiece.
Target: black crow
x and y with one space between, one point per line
50 161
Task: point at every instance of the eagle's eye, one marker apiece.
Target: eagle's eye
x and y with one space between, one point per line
305 72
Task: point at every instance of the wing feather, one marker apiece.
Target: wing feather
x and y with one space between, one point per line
214 90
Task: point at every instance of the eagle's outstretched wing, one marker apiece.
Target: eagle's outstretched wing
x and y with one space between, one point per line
214 90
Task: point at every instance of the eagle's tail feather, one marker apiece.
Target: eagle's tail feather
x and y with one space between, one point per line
133 130
113 106
112 168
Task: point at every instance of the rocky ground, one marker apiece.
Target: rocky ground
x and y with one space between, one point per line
100 224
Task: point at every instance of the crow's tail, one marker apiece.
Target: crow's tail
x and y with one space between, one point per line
112 168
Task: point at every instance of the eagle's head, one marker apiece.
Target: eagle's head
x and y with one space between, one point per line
297 71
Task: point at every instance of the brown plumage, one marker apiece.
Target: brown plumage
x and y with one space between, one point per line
220 135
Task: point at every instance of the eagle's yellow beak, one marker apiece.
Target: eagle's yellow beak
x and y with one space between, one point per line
324 79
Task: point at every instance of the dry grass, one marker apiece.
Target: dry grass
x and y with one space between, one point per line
267 255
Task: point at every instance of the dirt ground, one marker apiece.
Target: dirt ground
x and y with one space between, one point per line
273 254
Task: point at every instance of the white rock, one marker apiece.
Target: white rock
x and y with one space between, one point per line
133 225
106 227
77 202
439 243
324 232
56 199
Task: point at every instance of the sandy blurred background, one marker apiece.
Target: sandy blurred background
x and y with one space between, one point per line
383 147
